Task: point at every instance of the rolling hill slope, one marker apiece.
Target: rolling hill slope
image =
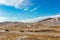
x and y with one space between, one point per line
47 29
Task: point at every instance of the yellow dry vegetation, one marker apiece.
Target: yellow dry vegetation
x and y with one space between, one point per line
41 33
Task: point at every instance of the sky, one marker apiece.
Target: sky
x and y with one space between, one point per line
18 10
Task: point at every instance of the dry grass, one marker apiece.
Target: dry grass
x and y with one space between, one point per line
43 33
26 36
20 31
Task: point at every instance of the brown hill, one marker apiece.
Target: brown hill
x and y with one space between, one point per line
49 22
47 29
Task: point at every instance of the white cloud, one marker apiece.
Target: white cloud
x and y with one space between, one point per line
11 2
16 3
34 19
39 18
2 19
25 9
34 9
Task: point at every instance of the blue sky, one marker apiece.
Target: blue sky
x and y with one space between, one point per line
27 9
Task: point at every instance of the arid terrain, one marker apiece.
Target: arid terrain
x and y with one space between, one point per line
47 29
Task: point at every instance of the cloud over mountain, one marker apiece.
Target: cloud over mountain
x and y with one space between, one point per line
40 18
